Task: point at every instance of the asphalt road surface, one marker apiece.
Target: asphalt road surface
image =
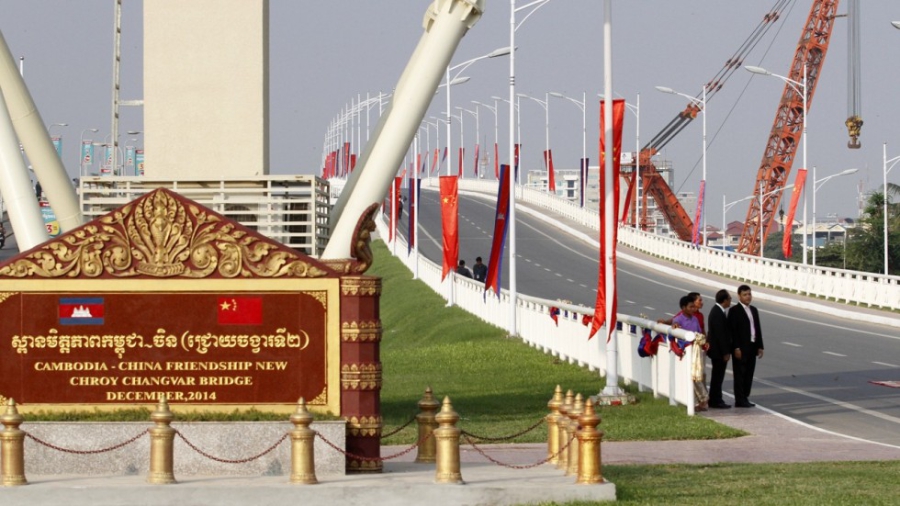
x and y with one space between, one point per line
817 367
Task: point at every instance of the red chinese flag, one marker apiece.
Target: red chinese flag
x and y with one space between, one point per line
450 222
786 244
495 264
551 176
618 114
352 162
240 311
462 155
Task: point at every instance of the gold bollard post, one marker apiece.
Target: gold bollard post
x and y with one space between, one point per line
574 413
589 439
162 439
552 427
303 463
428 407
562 424
12 447
447 436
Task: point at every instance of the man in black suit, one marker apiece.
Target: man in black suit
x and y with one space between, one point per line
719 339
747 341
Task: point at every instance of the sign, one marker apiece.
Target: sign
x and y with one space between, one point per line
191 347
49 219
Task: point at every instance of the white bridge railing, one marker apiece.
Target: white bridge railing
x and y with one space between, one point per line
664 374
863 288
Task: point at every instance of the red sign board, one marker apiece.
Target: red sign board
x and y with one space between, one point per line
191 347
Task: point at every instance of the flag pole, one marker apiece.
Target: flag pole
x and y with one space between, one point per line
610 214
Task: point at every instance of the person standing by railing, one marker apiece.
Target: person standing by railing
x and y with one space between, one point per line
747 340
687 320
719 340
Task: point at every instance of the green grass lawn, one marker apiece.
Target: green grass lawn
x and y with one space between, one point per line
499 386
813 484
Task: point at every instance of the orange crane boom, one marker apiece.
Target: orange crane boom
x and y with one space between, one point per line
787 129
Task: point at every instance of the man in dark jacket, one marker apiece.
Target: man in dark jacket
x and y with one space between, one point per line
719 339
747 341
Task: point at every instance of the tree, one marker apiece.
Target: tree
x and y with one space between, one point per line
774 250
865 246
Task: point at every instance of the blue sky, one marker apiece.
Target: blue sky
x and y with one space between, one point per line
322 54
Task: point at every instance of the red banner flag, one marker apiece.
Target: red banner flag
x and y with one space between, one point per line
476 160
352 161
345 159
496 161
462 155
240 311
551 176
604 298
450 222
698 216
518 148
495 264
434 164
787 246
395 207
413 198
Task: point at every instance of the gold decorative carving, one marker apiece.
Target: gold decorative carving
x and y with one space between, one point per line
322 398
361 377
3 400
361 331
5 295
160 236
362 237
365 426
360 286
322 297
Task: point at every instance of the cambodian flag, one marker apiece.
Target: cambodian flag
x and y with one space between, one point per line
81 311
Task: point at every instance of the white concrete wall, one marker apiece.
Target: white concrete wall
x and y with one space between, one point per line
206 88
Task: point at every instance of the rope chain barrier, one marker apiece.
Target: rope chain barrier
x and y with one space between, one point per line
512 466
503 438
229 461
374 459
405 425
85 452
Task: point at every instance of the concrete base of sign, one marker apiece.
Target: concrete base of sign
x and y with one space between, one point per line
223 440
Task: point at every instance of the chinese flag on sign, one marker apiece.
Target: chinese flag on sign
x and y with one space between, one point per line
240 311
607 194
450 222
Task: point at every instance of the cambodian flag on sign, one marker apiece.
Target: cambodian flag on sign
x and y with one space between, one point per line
81 311
240 310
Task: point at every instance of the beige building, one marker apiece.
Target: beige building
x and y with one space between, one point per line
206 88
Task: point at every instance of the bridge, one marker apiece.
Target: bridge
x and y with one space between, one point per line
829 333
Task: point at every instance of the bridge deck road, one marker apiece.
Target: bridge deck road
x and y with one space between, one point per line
817 367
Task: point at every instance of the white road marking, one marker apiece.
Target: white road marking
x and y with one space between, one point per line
650 308
793 344
833 354
886 364
570 280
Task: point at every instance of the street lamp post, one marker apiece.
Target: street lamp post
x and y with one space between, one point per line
581 105
477 126
801 89
762 196
493 110
534 5
503 51
518 120
81 148
461 136
884 171
636 110
817 183
702 103
546 105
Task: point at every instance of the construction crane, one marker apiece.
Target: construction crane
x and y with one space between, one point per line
781 148
652 182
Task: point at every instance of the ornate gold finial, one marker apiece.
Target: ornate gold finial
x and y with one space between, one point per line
303 466
12 447
427 423
552 425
